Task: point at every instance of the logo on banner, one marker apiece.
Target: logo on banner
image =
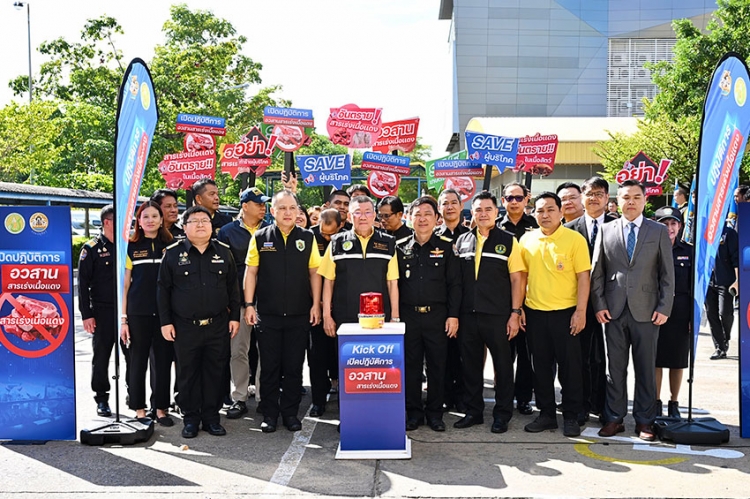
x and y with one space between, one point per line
444 168
195 142
536 154
465 186
643 169
398 135
383 184
38 222
492 149
211 125
353 127
332 170
289 138
386 163
14 223
288 116
251 154
429 168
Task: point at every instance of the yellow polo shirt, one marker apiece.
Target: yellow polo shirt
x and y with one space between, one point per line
327 266
253 256
553 263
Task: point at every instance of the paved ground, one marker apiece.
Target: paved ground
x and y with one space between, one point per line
463 463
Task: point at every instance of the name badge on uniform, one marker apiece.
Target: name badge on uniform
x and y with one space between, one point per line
217 259
380 246
268 246
436 253
183 259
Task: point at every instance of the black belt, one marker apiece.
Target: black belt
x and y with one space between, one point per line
204 322
423 310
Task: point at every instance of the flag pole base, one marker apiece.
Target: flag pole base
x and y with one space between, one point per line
127 432
701 431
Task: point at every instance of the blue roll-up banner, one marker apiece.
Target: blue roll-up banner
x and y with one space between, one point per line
136 120
724 131
371 393
743 217
37 347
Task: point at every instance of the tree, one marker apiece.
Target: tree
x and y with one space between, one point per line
671 127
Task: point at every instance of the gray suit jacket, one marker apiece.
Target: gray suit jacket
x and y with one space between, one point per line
646 284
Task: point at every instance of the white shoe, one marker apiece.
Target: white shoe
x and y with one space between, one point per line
251 390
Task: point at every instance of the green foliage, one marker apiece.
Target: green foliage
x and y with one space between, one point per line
78 242
671 127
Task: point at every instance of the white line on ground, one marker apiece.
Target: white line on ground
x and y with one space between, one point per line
292 457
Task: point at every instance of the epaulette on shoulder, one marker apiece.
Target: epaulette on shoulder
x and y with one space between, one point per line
223 243
174 244
91 243
446 239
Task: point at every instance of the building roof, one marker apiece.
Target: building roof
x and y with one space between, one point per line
572 129
446 9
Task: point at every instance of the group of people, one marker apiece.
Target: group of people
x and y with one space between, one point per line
543 292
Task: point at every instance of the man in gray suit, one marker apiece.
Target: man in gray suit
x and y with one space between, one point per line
632 289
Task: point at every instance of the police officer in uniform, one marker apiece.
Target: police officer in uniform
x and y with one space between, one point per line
170 208
390 213
96 300
206 194
199 309
361 260
282 261
429 302
323 352
515 198
490 311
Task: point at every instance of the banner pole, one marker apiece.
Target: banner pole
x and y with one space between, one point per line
487 177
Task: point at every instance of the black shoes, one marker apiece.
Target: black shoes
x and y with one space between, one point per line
467 421
525 408
151 414
268 425
237 410
499 426
673 409
436 424
542 423
165 421
659 408
214 429
317 410
413 423
102 409
570 428
583 418
190 430
292 423
719 354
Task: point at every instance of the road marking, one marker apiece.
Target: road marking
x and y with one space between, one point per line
585 450
292 457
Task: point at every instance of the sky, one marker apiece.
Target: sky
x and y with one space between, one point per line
391 54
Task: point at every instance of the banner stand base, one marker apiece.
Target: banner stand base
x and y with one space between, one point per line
701 431
128 432
376 454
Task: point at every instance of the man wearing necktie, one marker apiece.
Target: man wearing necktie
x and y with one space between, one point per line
595 192
632 289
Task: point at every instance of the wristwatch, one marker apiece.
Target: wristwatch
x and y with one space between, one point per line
516 311
395 319
248 304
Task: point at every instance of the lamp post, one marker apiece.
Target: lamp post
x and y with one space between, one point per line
19 6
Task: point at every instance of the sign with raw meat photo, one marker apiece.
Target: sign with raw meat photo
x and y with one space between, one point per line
354 127
37 348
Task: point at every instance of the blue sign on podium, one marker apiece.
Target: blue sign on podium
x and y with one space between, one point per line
371 393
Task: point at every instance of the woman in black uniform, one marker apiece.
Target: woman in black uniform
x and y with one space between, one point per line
675 335
140 324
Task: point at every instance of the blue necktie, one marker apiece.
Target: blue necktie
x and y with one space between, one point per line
631 240
594 232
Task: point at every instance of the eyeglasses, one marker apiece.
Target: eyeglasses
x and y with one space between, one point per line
385 216
517 199
596 194
569 198
359 214
198 223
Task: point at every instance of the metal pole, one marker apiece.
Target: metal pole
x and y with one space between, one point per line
28 20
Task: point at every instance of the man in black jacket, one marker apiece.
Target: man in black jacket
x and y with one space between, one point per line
721 288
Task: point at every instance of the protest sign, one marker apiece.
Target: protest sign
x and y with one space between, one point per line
251 154
644 170
397 136
536 154
334 170
386 163
353 127
492 149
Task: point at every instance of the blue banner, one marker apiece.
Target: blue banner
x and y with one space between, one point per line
288 116
386 163
136 120
492 149
444 168
743 213
196 123
334 170
726 123
37 336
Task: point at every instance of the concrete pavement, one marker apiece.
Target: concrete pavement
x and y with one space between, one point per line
457 463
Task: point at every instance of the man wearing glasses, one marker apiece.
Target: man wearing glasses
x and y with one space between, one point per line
199 309
357 261
595 196
515 198
390 214
570 195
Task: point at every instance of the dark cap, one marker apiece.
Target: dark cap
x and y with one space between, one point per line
668 212
255 195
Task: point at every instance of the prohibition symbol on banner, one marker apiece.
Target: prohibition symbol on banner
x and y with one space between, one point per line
54 341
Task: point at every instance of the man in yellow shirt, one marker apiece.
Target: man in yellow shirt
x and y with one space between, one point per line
357 261
282 260
556 265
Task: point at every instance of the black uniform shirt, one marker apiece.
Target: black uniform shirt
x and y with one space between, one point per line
683 268
195 285
96 276
444 231
177 232
401 233
144 258
727 258
219 220
525 224
429 274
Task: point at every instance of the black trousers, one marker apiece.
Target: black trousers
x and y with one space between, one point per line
145 339
720 315
478 330
202 352
323 351
454 377
524 379
102 342
281 343
552 345
425 340
593 364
